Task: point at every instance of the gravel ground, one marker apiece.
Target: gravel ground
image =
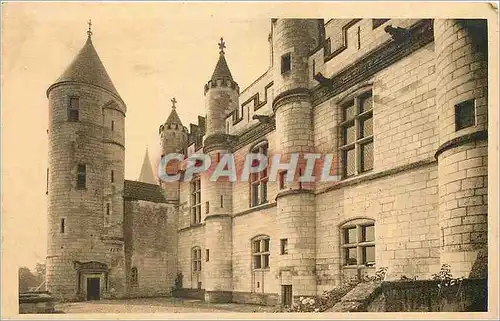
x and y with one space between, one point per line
157 305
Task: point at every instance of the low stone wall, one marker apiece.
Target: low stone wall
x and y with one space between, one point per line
36 302
189 293
270 299
469 295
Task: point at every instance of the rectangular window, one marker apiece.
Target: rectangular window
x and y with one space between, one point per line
112 176
284 246
196 200
286 63
368 255
286 295
357 135
134 276
258 181
350 235
73 109
207 207
378 22
282 179
368 233
81 182
62 227
207 255
465 114
351 256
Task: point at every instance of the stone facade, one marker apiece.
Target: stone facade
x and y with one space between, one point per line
401 105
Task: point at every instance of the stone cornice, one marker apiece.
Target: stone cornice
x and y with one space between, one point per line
388 53
294 192
254 133
290 96
376 175
214 216
218 141
462 140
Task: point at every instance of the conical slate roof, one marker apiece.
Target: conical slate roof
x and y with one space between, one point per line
221 69
173 118
147 175
87 68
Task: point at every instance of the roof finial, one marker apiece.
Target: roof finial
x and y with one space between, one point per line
89 32
174 101
222 45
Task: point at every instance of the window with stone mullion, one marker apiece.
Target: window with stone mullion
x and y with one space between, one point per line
359 245
258 181
261 253
196 201
357 135
196 260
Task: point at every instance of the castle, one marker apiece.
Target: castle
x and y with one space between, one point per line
402 102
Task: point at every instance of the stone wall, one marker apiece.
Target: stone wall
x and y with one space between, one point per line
404 208
151 247
426 296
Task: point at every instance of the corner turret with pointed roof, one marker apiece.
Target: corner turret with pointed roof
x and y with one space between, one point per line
87 68
173 134
221 77
173 118
221 97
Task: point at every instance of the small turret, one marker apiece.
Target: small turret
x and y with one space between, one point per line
173 134
221 95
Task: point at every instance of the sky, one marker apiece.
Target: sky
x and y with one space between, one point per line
152 52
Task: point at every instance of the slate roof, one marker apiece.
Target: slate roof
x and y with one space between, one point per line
221 69
173 118
134 190
87 68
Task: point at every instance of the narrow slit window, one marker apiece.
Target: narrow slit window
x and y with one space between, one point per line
284 246
222 201
108 209
112 176
282 179
62 227
207 255
74 109
81 182
112 125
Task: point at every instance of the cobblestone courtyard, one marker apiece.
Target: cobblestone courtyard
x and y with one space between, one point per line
157 305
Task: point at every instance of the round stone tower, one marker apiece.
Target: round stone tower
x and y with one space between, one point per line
221 97
173 139
461 69
293 40
86 176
